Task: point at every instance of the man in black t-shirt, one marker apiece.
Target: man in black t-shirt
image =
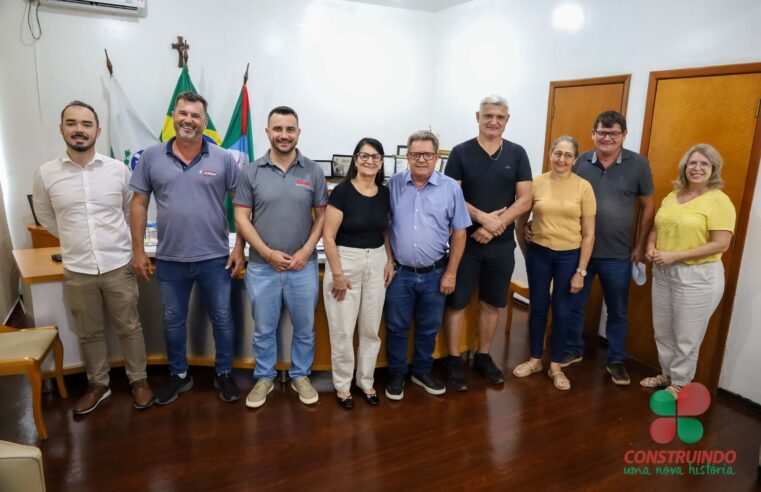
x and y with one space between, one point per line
495 176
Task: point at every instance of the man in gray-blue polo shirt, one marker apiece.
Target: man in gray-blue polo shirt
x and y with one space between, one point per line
623 184
274 205
189 178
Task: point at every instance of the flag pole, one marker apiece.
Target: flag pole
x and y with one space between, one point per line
245 76
108 64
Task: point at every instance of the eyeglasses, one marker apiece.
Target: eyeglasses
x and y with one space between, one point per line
605 133
700 164
364 157
559 154
416 156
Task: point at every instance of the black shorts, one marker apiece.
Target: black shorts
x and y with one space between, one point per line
488 265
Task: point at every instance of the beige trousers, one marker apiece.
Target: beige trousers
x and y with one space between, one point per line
684 298
362 307
85 296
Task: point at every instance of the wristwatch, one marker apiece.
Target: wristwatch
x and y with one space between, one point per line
581 272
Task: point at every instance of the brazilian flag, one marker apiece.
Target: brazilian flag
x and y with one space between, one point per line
184 84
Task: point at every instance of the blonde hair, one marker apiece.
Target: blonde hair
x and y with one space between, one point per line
713 156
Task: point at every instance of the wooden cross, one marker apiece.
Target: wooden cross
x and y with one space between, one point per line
182 48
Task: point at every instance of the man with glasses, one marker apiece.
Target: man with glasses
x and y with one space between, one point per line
425 207
280 210
623 187
495 176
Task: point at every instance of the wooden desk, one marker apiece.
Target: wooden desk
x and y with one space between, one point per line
41 238
43 294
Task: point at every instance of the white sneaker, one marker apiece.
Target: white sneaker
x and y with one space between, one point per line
257 396
307 394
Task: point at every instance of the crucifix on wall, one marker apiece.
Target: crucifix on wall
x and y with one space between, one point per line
182 48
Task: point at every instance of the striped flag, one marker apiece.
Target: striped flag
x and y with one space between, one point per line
239 142
184 84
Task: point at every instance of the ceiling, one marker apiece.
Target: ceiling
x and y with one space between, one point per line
424 5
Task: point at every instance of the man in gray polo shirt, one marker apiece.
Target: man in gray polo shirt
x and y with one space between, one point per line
623 186
189 178
274 203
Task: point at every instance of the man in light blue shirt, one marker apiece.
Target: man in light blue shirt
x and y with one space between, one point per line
428 211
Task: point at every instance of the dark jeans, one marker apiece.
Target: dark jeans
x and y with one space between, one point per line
413 293
176 281
545 265
615 277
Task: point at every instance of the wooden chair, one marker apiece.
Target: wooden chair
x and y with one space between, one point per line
21 468
22 351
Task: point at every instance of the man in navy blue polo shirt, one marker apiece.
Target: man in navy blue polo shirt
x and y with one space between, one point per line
623 186
495 176
189 179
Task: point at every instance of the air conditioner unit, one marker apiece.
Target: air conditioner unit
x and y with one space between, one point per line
124 7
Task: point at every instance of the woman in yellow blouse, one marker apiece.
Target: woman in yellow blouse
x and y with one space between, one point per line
693 227
563 227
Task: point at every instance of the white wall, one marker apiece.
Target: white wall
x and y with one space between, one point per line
353 70
350 70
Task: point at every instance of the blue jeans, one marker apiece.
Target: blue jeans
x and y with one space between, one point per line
615 277
176 281
413 293
545 265
268 290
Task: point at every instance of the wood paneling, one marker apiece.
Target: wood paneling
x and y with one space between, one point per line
719 106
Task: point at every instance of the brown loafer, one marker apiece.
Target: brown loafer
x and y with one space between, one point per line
142 394
96 393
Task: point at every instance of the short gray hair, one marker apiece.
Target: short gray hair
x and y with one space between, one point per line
567 139
494 99
424 135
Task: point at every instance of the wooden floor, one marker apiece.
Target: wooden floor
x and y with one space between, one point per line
524 435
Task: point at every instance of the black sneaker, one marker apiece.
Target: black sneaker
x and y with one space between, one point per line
618 374
171 390
570 358
395 387
456 374
228 390
486 367
429 383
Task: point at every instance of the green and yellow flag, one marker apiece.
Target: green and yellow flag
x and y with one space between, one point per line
184 84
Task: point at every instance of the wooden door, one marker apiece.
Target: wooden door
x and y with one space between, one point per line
574 105
719 106
572 109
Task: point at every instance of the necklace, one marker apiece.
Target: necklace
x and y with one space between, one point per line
498 153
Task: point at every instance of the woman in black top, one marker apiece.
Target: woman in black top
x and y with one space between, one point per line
360 267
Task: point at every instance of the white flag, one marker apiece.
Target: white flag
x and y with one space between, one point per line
129 133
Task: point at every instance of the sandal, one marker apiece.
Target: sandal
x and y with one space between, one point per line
559 380
659 381
674 390
526 369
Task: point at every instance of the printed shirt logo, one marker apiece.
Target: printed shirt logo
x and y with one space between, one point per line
676 416
208 173
301 182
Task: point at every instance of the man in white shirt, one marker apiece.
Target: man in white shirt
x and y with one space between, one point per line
83 197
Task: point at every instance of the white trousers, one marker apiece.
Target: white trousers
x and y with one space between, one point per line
362 307
684 298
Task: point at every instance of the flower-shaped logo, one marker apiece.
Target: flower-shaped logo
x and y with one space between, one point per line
676 415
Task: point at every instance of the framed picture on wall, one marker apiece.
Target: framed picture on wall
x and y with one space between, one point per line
340 165
401 163
389 165
326 166
442 164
